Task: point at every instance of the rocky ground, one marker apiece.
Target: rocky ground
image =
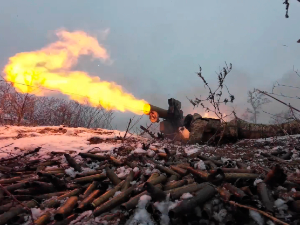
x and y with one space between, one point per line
61 175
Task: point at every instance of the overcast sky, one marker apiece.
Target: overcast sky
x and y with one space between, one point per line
156 46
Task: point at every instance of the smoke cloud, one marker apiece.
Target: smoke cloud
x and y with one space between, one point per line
238 83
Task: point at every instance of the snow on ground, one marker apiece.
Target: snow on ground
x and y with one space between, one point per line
141 216
16 141
257 217
186 196
200 165
270 138
20 140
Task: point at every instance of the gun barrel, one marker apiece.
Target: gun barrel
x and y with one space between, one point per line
163 113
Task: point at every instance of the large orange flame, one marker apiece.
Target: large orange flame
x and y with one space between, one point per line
50 68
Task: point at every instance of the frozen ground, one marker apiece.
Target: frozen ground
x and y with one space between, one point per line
19 143
20 140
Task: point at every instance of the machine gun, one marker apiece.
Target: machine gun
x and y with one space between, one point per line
173 117
202 129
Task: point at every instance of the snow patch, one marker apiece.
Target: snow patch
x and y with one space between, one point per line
148 171
164 208
200 165
173 204
257 181
71 172
191 150
50 140
224 159
93 165
186 196
139 151
280 204
150 153
122 172
70 131
36 213
136 169
144 199
141 216
220 216
256 217
78 220
117 193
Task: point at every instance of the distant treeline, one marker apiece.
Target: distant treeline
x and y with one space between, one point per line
28 109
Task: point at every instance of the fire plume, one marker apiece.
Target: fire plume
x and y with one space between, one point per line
51 68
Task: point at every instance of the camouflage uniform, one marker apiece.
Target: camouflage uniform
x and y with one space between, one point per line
202 129
197 128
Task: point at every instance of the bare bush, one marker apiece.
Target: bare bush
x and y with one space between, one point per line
283 117
215 97
256 100
292 113
15 106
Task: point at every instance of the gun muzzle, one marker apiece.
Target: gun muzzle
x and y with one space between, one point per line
155 112
173 117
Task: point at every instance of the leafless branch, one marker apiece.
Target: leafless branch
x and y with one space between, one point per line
18 202
256 100
259 211
214 96
127 129
147 128
268 94
148 132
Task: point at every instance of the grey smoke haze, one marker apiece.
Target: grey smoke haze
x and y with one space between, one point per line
156 46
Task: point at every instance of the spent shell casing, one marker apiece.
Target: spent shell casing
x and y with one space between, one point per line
90 189
167 170
93 156
73 163
85 203
106 196
112 176
55 202
175 184
177 192
114 202
128 179
43 219
65 210
188 205
91 178
5 217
